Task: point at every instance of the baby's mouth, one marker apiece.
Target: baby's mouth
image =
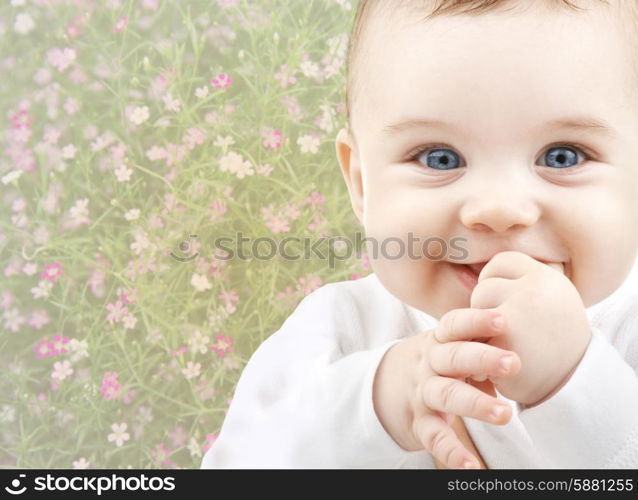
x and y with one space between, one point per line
476 268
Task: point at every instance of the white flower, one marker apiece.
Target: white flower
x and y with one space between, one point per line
201 92
24 24
29 268
139 114
8 413
192 370
79 212
68 152
200 282
123 173
129 321
244 169
310 69
42 290
61 369
141 242
198 342
170 103
119 434
234 163
264 169
194 448
82 463
78 349
12 319
308 144
224 142
132 214
11 176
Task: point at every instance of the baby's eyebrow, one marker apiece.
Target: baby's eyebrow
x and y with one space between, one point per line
586 124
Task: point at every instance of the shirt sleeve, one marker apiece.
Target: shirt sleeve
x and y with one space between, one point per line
301 402
592 421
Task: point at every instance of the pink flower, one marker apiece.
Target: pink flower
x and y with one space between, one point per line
128 397
128 296
210 439
7 300
224 345
178 436
308 283
110 386
43 348
278 224
193 137
52 271
315 199
221 81
61 59
120 25
316 223
217 209
229 297
58 344
149 4
284 77
179 351
174 153
116 312
156 153
272 138
160 456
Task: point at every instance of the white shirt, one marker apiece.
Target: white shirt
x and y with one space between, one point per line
304 399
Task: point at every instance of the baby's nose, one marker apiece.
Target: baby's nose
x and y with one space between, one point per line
499 216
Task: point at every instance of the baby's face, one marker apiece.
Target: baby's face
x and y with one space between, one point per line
507 166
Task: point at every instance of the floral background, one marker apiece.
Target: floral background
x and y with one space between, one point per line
134 132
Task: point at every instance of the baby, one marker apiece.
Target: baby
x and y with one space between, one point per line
510 126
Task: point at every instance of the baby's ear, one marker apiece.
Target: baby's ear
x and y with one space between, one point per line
350 168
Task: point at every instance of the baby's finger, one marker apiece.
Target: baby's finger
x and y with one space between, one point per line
440 440
465 359
460 398
469 323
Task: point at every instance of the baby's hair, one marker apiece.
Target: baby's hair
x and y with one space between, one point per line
367 9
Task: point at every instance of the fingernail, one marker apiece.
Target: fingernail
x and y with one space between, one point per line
470 464
496 412
505 363
497 322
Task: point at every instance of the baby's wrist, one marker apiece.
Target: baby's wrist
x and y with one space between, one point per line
391 395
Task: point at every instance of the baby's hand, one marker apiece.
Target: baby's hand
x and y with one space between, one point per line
419 387
547 325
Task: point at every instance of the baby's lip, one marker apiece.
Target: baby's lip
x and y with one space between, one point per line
477 267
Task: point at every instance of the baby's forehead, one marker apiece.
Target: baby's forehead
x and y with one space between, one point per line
397 45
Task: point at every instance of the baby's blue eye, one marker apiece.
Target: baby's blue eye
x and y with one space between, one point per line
561 157
440 159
